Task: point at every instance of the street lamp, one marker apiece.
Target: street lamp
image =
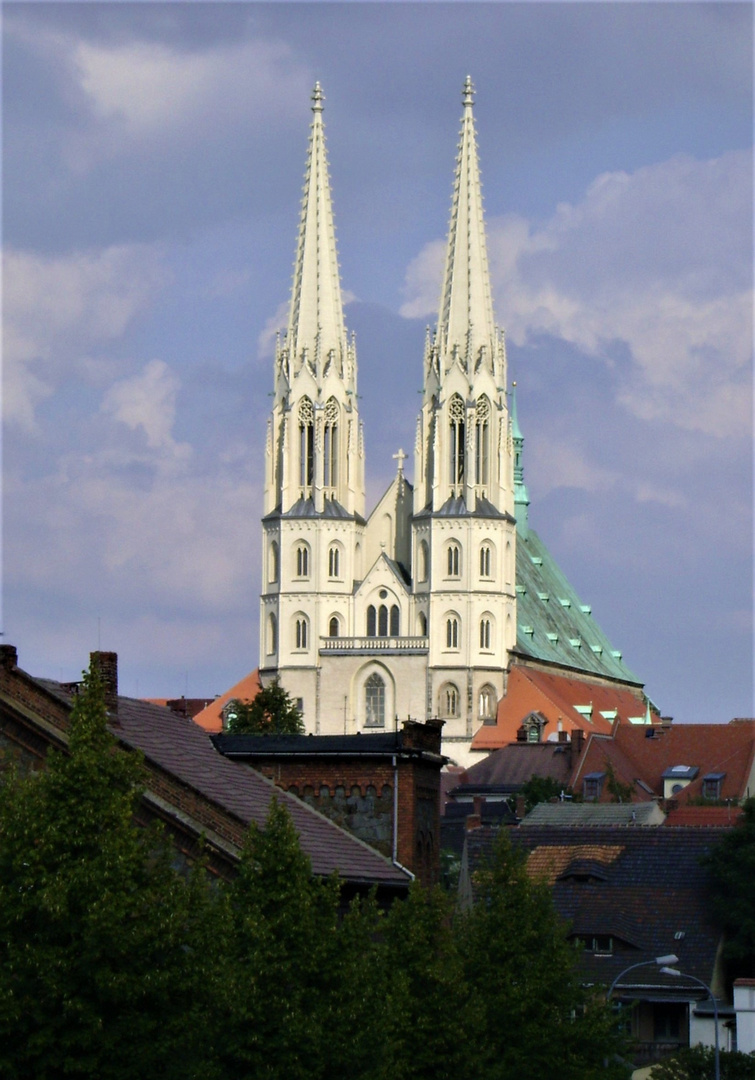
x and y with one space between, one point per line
683 974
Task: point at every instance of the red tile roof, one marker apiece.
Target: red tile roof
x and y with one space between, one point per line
556 696
247 689
711 748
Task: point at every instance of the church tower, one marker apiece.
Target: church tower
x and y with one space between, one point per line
464 531
314 458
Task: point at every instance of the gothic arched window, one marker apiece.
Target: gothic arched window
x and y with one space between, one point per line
273 565
488 704
302 561
330 448
382 621
482 441
371 621
334 627
334 562
272 634
302 632
456 416
485 633
422 624
306 444
424 561
448 705
453 555
486 560
374 701
452 632
394 621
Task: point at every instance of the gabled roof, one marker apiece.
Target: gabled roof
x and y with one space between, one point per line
305 508
571 814
513 765
211 719
553 625
577 703
653 897
727 749
456 506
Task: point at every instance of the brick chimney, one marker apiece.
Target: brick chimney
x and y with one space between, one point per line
106 666
8 657
577 743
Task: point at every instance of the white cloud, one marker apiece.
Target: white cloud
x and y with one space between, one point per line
554 464
659 261
148 401
58 309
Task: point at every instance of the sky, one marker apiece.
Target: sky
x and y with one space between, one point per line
153 157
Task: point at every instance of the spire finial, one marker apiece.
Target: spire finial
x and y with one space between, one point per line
467 94
317 98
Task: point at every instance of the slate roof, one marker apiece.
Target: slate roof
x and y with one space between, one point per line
181 749
652 898
513 765
711 748
548 605
378 745
594 814
305 508
456 506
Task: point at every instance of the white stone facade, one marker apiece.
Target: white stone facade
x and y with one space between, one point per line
412 612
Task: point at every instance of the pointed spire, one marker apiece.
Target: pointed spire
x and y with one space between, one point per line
466 323
315 323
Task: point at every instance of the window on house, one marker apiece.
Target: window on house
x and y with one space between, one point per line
667 1021
712 783
394 621
334 562
592 786
374 701
452 633
454 560
382 621
424 561
302 561
371 621
272 634
485 633
422 624
333 627
302 628
600 944
456 416
485 561
306 444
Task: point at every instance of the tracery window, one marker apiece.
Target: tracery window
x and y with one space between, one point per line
334 561
482 441
330 448
302 632
485 560
374 701
454 560
456 416
485 633
452 632
449 701
306 443
302 561
487 704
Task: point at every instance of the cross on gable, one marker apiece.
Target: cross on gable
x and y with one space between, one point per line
401 458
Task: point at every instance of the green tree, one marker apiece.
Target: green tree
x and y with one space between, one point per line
731 864
103 946
698 1063
540 789
529 1015
272 712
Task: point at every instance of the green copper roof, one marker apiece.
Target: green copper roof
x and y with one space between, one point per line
553 625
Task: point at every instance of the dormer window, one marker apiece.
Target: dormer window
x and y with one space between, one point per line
712 783
592 786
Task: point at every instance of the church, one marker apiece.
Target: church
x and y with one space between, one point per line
424 607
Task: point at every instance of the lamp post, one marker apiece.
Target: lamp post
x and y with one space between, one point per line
683 974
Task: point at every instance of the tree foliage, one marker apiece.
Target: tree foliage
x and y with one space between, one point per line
540 789
732 872
272 712
114 965
698 1063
